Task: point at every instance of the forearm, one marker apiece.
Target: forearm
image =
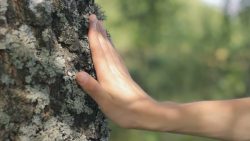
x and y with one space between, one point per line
125 103
206 118
227 120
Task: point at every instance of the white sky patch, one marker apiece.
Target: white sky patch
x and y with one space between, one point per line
232 9
217 3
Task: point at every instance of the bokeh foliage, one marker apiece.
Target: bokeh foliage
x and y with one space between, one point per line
181 51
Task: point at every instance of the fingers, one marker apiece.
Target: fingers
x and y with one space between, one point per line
103 54
92 87
102 30
103 40
97 53
108 48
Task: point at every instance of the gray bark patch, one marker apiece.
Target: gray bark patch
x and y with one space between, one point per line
43 44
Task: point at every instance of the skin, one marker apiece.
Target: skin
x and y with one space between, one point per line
129 106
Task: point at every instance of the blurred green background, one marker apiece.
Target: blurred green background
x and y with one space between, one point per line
182 50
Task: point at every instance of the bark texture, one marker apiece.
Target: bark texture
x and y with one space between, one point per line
43 43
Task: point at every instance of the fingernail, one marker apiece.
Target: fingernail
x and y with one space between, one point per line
93 20
81 76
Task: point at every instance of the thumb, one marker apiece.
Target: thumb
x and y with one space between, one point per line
91 86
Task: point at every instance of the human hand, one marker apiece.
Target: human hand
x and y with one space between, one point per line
118 96
125 103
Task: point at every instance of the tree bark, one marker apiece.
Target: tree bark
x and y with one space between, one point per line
43 43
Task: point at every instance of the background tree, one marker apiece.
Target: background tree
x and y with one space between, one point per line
245 20
43 43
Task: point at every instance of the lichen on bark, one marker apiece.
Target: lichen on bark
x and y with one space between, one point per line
43 44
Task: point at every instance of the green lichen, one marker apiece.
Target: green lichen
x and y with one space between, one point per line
38 96
45 49
6 80
4 119
3 30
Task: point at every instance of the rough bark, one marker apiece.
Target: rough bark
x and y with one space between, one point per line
43 43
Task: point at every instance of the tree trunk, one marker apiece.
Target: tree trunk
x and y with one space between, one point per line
43 43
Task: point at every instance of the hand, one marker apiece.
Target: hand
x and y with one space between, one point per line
118 96
125 103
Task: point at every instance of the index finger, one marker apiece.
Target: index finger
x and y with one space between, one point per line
97 53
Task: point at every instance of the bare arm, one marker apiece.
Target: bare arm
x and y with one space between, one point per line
125 103
226 120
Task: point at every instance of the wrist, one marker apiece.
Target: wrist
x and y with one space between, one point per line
158 116
169 116
164 117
